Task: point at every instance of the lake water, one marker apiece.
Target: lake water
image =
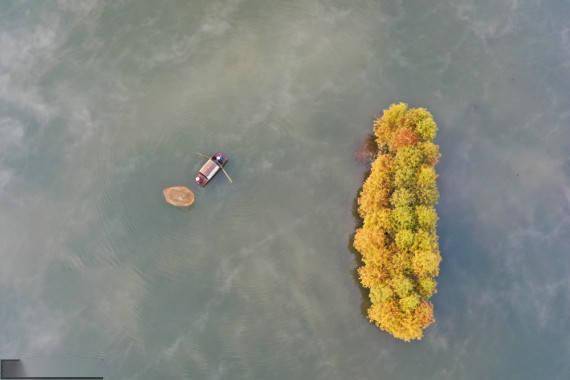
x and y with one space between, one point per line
102 104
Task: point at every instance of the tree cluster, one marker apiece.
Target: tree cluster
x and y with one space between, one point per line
398 239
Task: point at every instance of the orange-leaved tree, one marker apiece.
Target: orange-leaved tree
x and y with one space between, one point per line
398 239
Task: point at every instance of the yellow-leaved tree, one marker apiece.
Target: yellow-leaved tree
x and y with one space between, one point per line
398 239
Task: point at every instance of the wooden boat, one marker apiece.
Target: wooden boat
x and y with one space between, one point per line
211 168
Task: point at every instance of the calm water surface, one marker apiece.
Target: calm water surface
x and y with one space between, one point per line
102 104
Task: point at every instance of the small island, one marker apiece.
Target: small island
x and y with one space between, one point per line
179 196
398 240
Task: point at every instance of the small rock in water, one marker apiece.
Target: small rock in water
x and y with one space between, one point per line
179 196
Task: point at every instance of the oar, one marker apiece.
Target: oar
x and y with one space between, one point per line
226 173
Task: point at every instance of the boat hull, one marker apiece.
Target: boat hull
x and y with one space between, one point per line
211 168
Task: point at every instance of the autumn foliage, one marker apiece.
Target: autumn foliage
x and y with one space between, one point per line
398 239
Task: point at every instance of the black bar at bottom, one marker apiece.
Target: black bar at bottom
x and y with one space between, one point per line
3 377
